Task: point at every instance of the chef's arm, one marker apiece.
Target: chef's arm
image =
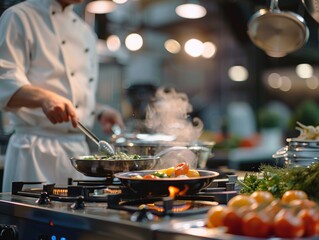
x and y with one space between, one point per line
57 108
108 116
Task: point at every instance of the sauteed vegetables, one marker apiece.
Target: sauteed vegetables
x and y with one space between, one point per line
116 156
179 171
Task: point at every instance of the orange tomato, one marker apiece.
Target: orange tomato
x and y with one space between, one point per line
262 197
310 218
291 195
240 201
256 224
215 216
287 225
181 169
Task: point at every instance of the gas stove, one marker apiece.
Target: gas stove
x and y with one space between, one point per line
107 210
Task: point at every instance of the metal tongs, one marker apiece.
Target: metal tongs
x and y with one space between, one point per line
103 146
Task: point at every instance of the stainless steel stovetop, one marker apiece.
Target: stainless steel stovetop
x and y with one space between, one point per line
24 218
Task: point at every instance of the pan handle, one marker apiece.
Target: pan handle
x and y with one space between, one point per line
274 5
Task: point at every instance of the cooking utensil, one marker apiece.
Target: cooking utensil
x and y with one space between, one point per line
160 186
276 32
103 146
312 7
106 168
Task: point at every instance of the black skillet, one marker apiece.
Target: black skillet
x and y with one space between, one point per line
160 186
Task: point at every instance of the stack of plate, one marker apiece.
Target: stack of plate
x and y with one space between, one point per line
298 152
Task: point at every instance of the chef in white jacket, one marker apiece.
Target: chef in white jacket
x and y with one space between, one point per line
48 80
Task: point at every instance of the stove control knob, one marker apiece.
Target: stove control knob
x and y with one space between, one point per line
8 232
79 203
142 215
43 199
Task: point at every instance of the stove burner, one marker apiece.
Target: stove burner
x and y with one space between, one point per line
167 206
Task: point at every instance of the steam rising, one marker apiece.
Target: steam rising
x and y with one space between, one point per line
168 114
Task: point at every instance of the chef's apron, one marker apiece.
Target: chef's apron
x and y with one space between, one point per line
35 154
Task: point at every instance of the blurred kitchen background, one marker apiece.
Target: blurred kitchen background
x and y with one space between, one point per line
248 100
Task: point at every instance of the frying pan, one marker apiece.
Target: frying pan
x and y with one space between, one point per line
159 187
106 168
277 32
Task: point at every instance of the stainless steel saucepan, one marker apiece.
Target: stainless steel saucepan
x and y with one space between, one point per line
277 32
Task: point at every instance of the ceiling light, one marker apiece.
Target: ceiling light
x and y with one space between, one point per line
191 10
194 47
134 42
209 50
120 1
113 43
304 70
172 46
100 7
238 73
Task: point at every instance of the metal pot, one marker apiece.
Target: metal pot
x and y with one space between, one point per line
276 32
202 150
160 186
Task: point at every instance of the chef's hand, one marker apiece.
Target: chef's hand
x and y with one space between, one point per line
108 117
59 109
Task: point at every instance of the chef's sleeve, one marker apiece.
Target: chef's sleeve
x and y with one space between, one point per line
14 56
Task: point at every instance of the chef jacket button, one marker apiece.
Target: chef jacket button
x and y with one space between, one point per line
76 106
72 74
53 12
93 113
74 20
87 50
91 79
63 42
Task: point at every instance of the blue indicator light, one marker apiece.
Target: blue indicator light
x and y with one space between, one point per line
53 237
62 238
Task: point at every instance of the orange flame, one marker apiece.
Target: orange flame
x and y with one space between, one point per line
173 191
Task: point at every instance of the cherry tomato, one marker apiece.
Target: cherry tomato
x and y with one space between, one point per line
290 195
181 169
256 224
310 218
240 201
262 197
232 221
215 216
150 176
287 225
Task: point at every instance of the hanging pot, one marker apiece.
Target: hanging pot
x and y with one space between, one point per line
312 6
277 32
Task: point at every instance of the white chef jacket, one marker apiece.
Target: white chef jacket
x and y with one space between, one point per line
43 45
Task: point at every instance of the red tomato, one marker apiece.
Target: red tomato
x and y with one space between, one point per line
310 218
181 169
288 225
233 221
150 176
256 224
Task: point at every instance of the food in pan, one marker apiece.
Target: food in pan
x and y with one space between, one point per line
116 156
307 132
181 170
